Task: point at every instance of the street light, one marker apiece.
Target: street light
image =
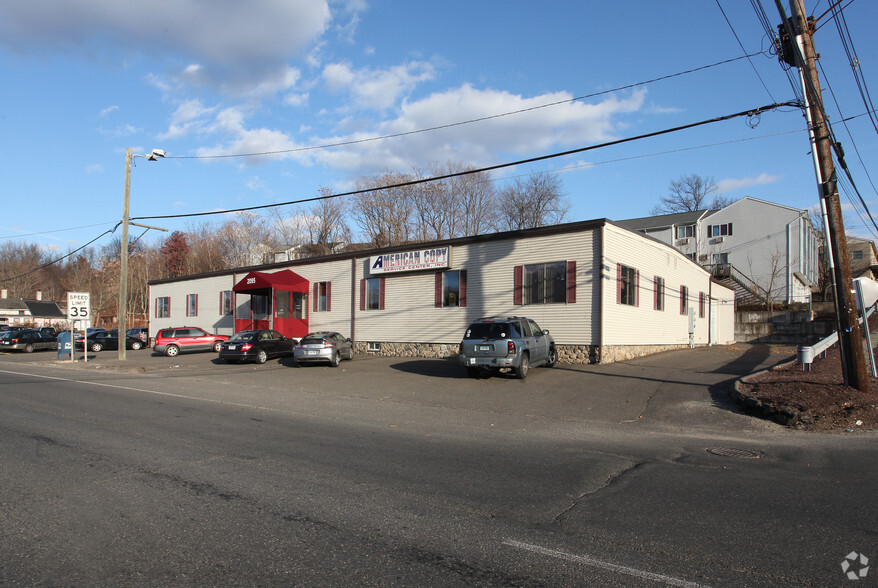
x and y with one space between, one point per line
123 264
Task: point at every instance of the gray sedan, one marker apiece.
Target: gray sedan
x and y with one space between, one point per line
324 347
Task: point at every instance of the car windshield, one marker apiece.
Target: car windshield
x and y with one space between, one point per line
244 336
490 331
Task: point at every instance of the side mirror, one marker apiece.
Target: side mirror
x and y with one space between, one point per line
545 331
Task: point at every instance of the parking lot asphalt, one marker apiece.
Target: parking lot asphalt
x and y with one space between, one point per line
686 389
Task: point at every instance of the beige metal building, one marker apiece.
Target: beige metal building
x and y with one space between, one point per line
605 293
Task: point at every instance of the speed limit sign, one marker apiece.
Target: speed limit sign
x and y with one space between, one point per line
79 306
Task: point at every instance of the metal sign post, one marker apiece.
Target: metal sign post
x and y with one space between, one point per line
79 308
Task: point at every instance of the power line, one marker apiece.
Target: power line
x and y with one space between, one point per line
751 112
466 122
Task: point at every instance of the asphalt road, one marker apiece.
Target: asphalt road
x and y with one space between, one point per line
404 472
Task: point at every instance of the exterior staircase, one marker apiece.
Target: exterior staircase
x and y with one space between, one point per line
747 292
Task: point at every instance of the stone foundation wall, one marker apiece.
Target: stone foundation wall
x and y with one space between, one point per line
566 353
613 353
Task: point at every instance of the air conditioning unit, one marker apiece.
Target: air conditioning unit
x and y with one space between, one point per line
719 239
684 241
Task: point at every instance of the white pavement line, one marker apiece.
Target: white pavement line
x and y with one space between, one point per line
596 563
156 392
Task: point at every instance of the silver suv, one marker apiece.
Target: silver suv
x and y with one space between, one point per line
504 343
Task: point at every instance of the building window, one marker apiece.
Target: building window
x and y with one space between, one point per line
857 254
450 289
659 293
684 300
544 283
685 231
226 302
374 346
191 304
322 293
720 258
163 307
627 279
702 302
372 294
719 230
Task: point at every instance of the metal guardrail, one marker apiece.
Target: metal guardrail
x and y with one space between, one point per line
807 354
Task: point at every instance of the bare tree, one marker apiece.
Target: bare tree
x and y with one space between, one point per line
245 240
384 213
533 202
327 225
690 193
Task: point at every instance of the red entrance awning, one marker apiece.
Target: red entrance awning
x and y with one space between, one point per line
284 280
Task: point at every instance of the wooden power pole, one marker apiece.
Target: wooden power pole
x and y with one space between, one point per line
849 337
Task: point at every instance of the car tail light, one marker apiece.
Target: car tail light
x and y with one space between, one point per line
246 347
510 348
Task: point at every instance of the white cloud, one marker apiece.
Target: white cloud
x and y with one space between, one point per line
536 131
107 111
190 116
380 88
731 185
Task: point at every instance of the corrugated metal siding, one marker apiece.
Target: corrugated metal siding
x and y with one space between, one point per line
410 315
643 325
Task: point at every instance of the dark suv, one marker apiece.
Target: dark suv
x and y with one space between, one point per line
178 339
506 343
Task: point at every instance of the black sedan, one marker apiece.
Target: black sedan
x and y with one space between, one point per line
256 346
110 340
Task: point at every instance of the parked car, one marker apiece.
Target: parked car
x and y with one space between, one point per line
141 333
110 340
324 347
256 346
52 331
89 334
183 339
504 344
27 341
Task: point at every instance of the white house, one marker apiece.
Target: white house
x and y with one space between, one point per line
766 248
605 293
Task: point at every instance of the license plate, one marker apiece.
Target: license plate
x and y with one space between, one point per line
231 347
312 353
485 347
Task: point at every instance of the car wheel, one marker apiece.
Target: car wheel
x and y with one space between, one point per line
135 345
351 353
261 356
523 367
96 347
335 359
553 357
474 372
172 350
28 348
216 346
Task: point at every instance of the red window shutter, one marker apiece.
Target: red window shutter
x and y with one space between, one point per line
637 289
655 293
381 294
571 282
618 283
328 296
437 294
516 288
363 294
682 300
316 296
463 287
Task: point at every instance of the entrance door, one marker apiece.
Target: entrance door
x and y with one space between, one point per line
260 305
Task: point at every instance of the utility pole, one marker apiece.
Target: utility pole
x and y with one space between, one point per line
123 261
850 338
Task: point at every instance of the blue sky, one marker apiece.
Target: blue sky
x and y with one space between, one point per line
84 81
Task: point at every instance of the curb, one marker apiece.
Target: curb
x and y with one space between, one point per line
788 417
